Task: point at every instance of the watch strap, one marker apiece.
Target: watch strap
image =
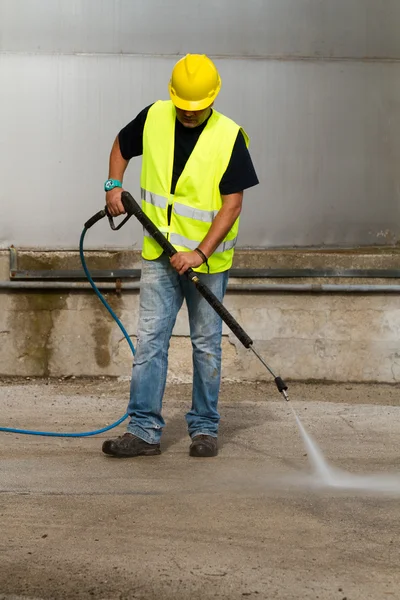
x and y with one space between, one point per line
110 184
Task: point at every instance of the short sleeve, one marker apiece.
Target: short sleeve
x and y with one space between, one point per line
131 136
240 173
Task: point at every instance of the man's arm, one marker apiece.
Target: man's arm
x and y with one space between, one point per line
117 168
222 224
127 144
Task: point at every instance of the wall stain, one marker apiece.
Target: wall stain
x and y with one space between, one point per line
32 318
50 260
101 326
101 332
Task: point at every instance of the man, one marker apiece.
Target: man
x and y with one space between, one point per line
194 170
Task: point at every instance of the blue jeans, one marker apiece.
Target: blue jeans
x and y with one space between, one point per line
161 296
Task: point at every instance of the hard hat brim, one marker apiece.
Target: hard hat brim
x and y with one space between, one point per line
192 104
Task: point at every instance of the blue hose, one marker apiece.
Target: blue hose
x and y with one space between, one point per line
128 339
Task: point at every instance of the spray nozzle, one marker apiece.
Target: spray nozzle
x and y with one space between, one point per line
282 387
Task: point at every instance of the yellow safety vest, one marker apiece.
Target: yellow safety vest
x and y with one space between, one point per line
197 198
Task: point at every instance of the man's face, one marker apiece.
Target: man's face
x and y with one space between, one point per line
192 118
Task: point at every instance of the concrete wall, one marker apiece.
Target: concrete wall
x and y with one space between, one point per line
316 83
334 337
303 337
356 29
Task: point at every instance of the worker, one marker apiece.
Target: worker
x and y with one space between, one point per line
195 167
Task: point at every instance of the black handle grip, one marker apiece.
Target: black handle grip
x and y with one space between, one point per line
111 221
100 215
129 203
133 208
104 213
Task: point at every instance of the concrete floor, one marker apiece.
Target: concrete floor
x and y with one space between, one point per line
76 524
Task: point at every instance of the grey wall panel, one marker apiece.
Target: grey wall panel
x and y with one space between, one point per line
279 28
325 142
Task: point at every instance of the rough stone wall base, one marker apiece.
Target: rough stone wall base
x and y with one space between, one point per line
303 336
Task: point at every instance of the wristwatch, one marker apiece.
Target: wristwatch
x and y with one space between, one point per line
110 184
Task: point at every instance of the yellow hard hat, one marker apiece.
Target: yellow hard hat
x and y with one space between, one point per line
195 82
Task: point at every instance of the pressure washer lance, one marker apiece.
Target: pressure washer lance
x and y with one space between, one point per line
132 208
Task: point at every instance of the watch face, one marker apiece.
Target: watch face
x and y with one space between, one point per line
110 184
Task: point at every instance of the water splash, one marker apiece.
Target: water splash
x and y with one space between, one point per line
324 475
318 462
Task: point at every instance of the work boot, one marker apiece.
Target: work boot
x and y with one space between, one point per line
204 446
129 445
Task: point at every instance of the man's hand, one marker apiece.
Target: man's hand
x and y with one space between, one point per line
114 203
182 261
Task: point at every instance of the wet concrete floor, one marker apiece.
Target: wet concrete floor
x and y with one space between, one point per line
247 524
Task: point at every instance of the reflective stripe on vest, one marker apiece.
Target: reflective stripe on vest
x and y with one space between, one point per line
206 216
154 199
163 230
179 240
